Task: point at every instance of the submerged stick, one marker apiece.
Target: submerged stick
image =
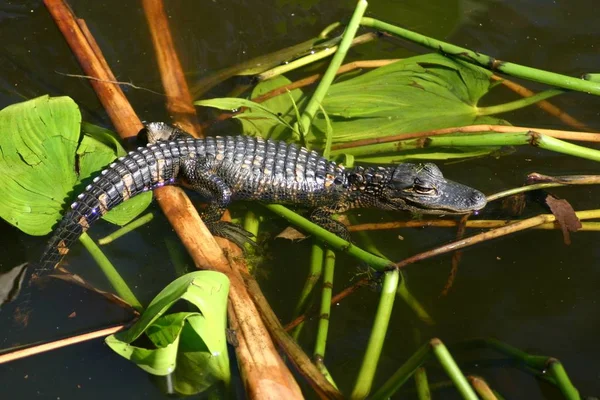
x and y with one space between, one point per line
447 223
57 344
482 237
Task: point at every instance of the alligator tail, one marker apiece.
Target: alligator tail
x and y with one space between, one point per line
141 170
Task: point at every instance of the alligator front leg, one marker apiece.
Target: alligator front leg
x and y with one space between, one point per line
212 187
322 217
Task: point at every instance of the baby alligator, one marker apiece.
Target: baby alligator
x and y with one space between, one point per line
226 169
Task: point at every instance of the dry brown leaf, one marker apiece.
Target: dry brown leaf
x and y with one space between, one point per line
565 216
291 233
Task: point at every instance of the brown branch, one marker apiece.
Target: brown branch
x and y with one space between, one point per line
443 223
111 96
482 237
181 214
259 361
291 348
179 101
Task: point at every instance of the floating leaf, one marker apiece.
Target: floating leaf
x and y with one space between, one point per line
415 94
38 141
565 216
43 157
190 345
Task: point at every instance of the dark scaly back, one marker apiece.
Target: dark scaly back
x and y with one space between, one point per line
272 171
144 169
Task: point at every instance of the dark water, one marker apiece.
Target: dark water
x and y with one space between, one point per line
528 290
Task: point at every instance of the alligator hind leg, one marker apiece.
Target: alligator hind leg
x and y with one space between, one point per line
213 188
322 217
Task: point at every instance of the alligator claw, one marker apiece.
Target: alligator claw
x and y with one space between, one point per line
231 232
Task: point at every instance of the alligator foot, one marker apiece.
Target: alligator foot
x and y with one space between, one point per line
231 232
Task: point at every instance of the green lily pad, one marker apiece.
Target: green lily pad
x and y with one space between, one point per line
190 345
44 157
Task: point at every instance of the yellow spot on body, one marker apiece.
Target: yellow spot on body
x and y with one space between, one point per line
220 157
160 166
103 200
329 180
62 248
84 223
127 186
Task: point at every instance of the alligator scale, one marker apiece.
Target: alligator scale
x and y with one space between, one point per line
226 169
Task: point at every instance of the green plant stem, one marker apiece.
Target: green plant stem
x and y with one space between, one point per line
490 139
298 63
523 189
329 28
449 365
335 242
314 274
317 97
251 223
111 273
413 303
332 240
325 310
423 392
126 229
482 388
319 54
403 373
560 146
373 352
486 139
323 369
520 71
548 182
517 104
430 156
253 66
545 367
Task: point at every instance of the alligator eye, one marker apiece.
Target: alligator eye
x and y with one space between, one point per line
424 190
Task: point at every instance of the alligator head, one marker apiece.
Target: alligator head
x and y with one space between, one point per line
420 188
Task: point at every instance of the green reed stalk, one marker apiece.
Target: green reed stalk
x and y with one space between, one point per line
331 239
520 71
403 373
314 274
111 273
517 104
451 368
319 94
325 310
422 384
382 318
324 315
548 368
143 220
